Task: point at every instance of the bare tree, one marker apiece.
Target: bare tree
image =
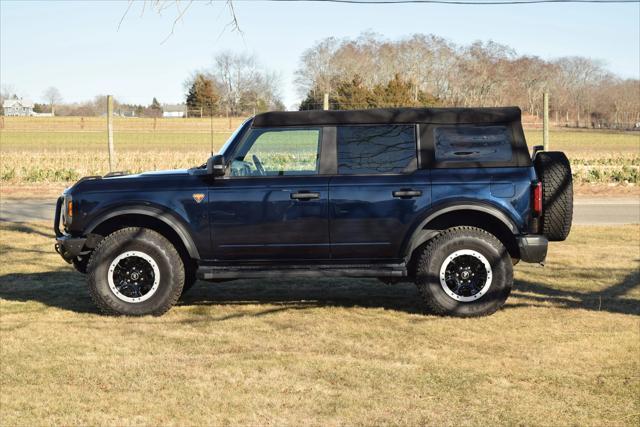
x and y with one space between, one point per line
179 9
246 87
318 70
241 84
53 97
479 74
7 92
579 76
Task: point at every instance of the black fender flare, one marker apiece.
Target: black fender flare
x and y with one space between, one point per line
421 234
163 215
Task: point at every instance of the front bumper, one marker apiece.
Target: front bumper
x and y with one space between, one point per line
70 247
533 248
66 245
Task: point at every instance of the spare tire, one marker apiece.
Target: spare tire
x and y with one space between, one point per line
554 171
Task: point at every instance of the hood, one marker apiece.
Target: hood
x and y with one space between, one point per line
119 181
125 175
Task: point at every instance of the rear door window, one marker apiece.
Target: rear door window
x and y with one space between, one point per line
472 144
374 149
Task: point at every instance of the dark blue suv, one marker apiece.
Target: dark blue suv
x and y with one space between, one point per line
448 198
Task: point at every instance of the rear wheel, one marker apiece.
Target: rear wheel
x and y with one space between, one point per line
135 271
465 272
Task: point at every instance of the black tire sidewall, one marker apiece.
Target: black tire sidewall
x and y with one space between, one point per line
190 278
428 279
554 170
80 263
150 243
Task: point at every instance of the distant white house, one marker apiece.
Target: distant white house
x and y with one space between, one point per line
174 110
17 107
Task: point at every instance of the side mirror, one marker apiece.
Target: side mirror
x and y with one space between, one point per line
216 165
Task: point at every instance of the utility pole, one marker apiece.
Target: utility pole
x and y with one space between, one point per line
325 104
112 154
545 121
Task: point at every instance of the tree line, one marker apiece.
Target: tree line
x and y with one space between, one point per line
98 107
95 107
427 70
422 70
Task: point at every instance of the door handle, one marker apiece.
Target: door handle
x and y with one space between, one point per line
305 195
407 193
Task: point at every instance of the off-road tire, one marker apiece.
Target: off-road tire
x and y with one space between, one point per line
433 254
80 263
190 277
154 245
554 171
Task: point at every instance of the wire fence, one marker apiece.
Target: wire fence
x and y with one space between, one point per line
62 149
44 134
622 120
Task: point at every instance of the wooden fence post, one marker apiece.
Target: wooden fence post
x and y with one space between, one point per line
545 121
112 155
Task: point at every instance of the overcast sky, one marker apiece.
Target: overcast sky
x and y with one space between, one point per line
76 46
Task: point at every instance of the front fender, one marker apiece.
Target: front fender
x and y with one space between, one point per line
157 212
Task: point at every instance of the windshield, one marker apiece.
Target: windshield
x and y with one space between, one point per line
233 136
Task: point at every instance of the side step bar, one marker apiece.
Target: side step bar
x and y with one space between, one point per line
252 272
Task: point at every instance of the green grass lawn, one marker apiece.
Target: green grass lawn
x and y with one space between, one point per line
585 143
96 142
564 350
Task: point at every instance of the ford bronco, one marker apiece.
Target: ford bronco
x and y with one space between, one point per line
448 198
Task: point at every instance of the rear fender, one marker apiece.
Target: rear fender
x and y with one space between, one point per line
422 233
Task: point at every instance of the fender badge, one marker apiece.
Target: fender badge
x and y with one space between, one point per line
198 197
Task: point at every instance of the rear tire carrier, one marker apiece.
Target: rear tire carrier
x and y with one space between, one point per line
554 171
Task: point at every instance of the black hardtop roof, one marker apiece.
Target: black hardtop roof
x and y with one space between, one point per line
388 116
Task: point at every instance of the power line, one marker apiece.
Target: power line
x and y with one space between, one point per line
455 2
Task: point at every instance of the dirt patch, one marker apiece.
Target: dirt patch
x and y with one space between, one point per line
35 191
606 190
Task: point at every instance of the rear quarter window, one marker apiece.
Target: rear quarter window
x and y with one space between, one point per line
374 149
473 144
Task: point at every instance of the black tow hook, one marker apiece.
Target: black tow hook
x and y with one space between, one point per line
60 250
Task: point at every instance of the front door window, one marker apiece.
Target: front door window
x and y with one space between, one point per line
278 152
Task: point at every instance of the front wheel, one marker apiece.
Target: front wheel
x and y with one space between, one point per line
190 277
80 263
135 271
464 272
